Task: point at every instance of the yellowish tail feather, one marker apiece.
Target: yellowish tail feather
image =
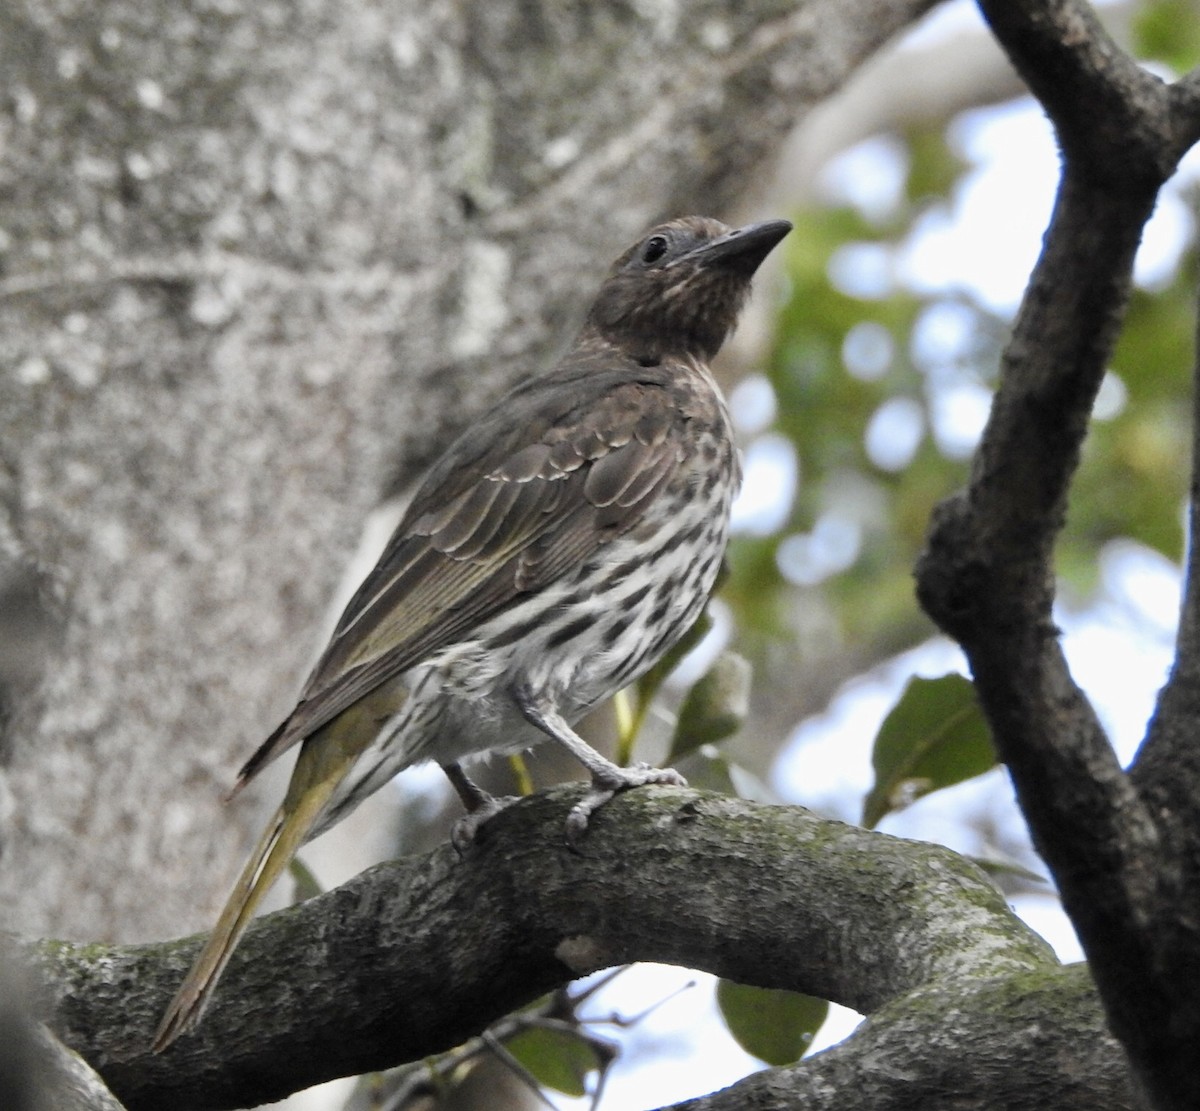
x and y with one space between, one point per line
309 791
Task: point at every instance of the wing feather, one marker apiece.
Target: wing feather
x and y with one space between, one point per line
612 474
495 519
645 483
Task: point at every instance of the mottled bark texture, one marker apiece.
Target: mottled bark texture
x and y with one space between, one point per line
413 956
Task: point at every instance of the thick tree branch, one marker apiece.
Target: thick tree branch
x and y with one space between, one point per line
1166 773
412 957
987 576
907 1057
1102 103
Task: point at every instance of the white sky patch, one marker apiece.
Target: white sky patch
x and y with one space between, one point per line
1044 914
1120 650
863 270
943 336
1146 584
870 176
959 414
752 404
894 433
1110 398
943 22
1163 240
771 474
1169 230
868 350
985 241
807 558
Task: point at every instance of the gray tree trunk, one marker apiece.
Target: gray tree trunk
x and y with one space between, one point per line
259 262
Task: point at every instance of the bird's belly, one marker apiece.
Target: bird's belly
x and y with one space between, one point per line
578 640
594 632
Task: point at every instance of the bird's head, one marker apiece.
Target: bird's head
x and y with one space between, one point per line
678 290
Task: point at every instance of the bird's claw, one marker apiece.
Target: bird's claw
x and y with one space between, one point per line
606 784
466 829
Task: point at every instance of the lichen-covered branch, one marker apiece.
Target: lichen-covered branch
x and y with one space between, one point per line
414 956
937 1049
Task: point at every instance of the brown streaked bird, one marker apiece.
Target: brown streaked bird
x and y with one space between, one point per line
556 550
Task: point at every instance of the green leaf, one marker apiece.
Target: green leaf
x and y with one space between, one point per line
557 1059
774 1026
1169 30
715 707
933 167
934 737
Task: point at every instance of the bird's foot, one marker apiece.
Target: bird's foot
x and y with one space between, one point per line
466 829
610 781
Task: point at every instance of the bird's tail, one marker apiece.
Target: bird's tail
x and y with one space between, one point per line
313 782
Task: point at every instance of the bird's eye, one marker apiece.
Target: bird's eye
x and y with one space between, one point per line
656 247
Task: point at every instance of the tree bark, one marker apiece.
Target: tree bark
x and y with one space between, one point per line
414 956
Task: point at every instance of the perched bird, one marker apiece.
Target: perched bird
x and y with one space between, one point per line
550 557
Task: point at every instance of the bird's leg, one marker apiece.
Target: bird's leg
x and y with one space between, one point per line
473 796
608 779
480 807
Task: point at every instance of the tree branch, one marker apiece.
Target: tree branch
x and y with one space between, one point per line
414 956
1166 773
1101 102
909 1056
987 577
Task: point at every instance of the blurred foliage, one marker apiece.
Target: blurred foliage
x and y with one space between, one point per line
823 410
304 881
843 358
558 1059
714 708
547 1046
1168 31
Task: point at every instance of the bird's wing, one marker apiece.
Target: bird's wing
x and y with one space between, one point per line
501 515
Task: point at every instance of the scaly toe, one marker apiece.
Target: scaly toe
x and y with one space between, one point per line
466 829
666 777
606 786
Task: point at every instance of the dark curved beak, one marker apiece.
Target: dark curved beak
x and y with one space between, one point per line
743 249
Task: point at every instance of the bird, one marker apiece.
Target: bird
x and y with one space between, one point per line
550 556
